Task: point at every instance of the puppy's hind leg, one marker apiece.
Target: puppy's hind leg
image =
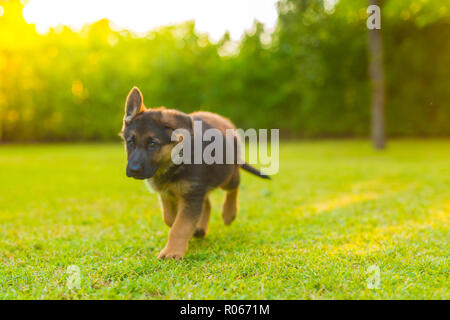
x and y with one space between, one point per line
201 228
230 206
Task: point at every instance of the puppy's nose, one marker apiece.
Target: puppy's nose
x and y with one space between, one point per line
134 168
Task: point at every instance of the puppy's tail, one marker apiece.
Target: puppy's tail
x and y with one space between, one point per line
254 171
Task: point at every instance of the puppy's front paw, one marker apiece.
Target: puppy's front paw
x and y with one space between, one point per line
171 253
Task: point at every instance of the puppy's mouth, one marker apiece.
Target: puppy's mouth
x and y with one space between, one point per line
142 176
139 177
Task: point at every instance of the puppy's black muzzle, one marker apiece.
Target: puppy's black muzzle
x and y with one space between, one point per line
139 166
139 171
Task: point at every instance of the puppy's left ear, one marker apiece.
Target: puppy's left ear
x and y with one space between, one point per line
134 105
174 119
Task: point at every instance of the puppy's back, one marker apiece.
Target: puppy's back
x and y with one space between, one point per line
213 120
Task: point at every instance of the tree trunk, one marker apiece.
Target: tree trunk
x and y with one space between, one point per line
376 70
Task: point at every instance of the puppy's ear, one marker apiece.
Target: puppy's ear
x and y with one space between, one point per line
134 105
174 119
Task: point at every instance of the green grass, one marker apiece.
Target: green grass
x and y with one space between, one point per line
334 209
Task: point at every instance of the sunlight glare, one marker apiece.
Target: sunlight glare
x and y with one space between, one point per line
212 16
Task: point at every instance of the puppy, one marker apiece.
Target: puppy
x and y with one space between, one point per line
183 188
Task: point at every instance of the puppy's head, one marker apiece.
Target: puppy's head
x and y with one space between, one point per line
147 135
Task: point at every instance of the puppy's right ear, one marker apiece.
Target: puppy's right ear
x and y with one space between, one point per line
134 105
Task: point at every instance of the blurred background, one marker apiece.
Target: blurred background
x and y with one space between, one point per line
298 65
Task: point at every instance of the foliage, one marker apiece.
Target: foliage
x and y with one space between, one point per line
308 77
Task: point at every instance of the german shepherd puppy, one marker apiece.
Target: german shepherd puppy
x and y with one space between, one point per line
183 188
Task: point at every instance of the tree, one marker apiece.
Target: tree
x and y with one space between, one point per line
376 71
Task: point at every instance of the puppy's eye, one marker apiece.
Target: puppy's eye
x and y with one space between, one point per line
130 143
151 143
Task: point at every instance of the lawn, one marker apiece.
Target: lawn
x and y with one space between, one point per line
335 209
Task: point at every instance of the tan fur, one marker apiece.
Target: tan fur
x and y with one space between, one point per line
219 122
181 232
169 208
230 206
134 105
175 119
201 228
164 155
